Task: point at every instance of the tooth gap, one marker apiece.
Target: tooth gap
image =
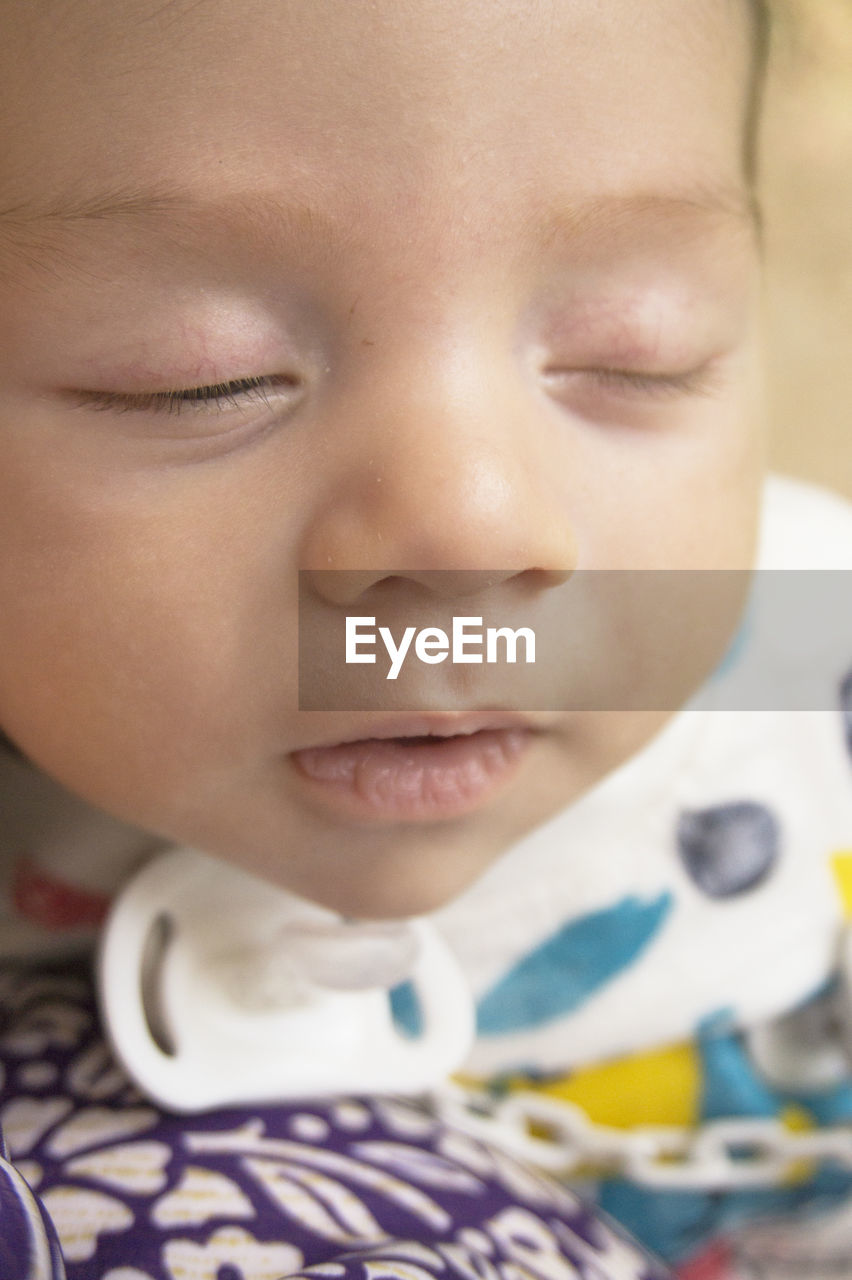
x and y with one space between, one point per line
417 739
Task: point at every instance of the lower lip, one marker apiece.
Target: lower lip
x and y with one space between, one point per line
414 779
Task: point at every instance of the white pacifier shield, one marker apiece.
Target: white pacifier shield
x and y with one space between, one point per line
254 992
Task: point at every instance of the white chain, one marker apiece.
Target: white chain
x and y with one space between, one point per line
717 1155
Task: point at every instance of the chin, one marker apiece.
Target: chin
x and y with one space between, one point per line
392 895
392 903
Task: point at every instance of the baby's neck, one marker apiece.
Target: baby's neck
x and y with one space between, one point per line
61 859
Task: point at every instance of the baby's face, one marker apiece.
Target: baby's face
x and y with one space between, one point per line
489 273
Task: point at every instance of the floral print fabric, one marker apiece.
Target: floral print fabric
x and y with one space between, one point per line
97 1184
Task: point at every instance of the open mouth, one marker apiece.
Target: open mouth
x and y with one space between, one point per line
414 777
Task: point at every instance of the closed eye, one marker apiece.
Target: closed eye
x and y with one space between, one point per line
702 380
691 382
221 395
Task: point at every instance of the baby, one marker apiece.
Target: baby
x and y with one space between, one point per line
310 311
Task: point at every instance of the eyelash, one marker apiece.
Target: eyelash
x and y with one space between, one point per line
220 394
699 381
240 391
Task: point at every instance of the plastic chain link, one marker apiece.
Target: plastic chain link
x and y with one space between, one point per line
719 1155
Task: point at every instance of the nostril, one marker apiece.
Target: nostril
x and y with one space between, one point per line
546 578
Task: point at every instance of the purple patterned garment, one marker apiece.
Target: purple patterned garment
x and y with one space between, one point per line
29 1249
348 1189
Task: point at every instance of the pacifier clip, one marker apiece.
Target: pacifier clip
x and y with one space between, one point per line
220 989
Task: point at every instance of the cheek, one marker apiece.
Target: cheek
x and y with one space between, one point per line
686 497
719 507
144 629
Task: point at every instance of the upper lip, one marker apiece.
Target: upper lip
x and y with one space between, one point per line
429 724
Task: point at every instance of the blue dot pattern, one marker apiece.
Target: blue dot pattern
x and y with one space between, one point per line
730 848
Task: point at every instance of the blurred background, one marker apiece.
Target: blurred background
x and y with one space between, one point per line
806 189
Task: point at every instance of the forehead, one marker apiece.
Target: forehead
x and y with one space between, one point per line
408 107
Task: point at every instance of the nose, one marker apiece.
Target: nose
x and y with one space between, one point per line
448 473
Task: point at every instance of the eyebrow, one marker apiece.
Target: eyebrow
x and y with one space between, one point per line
601 216
167 207
265 218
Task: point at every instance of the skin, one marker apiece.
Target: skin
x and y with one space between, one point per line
439 224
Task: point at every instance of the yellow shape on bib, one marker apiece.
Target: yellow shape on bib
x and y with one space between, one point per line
662 1087
841 865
